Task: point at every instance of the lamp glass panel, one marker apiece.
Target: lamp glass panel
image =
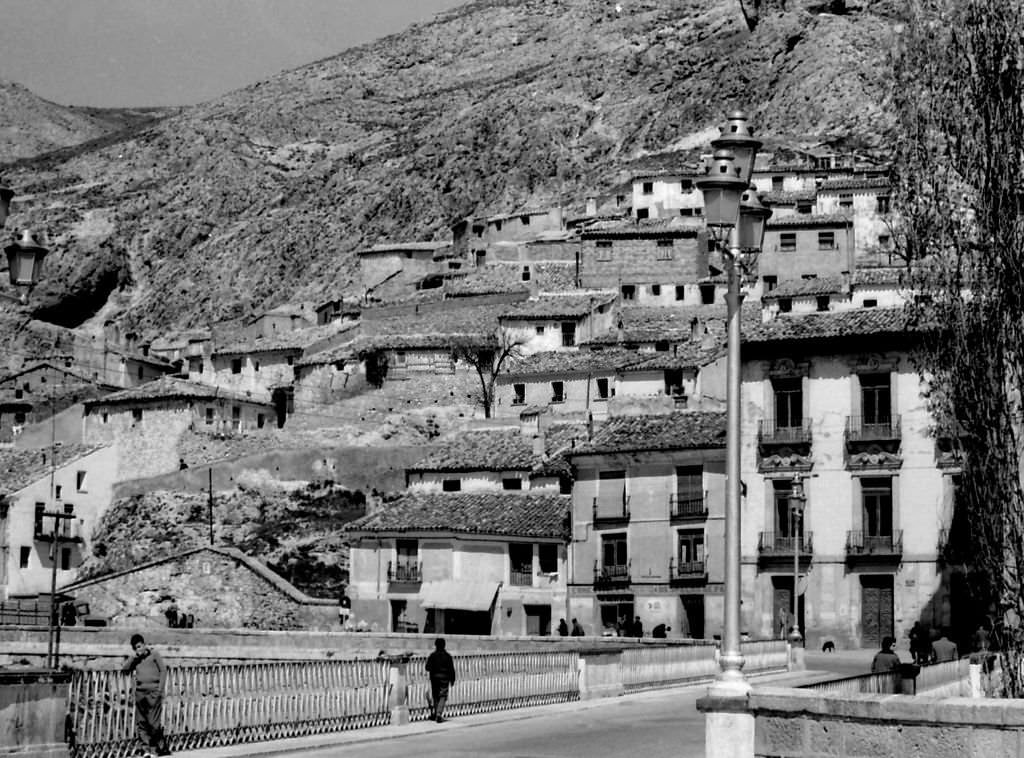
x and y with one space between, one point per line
25 265
721 206
751 230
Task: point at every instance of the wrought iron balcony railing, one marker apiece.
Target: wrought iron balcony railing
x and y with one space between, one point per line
862 543
775 543
686 569
872 428
687 506
405 571
521 577
616 573
69 530
770 432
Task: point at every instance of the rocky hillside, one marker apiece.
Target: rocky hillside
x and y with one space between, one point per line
294 532
261 195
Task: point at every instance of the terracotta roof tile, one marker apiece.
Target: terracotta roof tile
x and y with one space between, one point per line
820 285
844 323
780 197
684 355
506 514
488 280
498 450
434 328
649 324
675 226
293 341
881 275
169 388
572 305
401 247
854 182
682 430
572 362
809 219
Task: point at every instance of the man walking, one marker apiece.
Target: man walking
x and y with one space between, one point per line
441 670
944 649
150 676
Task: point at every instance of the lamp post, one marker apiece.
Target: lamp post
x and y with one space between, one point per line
797 498
25 255
736 220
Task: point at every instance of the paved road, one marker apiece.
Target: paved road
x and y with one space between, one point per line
654 725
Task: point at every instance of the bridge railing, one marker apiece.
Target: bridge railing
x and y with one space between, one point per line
653 667
498 681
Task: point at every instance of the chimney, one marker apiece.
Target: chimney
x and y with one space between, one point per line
590 426
591 206
539 447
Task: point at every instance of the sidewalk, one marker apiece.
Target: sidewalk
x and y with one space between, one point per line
376 734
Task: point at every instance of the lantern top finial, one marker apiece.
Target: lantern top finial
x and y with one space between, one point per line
29 240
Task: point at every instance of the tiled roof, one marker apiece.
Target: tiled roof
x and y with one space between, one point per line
169 388
880 275
507 514
820 285
682 430
295 341
401 247
684 355
778 197
854 182
572 362
810 219
19 468
648 324
69 371
497 450
330 355
574 305
489 280
675 226
526 211
844 323
437 327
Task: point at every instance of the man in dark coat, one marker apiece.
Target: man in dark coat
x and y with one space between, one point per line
441 670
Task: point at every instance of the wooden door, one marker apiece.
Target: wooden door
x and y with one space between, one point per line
876 609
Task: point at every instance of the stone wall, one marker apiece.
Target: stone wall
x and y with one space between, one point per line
216 586
804 724
637 261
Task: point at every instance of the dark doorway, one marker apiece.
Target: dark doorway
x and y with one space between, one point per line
614 612
782 598
693 615
876 609
284 403
538 620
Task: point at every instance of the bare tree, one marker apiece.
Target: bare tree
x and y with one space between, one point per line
959 97
487 358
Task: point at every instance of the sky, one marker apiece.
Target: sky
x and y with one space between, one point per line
120 53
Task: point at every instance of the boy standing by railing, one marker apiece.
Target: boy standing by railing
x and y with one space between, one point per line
150 676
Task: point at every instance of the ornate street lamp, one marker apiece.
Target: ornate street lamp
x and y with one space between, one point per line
733 213
797 500
25 261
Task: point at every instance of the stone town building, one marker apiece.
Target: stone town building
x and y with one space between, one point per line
667 192
41 388
284 318
478 240
655 262
835 397
337 309
148 421
410 261
802 245
567 383
867 200
531 457
689 375
647 523
263 368
211 587
559 321
328 375
83 479
461 563
810 295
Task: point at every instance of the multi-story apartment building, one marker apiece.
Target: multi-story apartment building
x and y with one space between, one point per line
833 398
647 520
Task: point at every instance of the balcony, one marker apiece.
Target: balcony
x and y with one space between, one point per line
687 571
405 572
611 513
777 549
861 546
615 575
873 442
783 447
522 577
70 530
688 507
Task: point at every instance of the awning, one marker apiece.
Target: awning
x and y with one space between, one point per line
464 596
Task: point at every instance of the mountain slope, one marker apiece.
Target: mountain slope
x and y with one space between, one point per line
261 195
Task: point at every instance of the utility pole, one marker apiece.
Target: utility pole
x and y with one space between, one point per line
210 473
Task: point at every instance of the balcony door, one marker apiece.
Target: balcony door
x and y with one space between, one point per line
785 528
614 555
691 551
789 403
407 560
876 512
876 399
689 489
